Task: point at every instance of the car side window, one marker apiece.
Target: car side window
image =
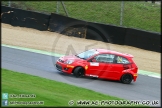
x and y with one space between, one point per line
105 58
121 60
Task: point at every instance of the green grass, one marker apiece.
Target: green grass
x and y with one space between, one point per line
53 93
140 15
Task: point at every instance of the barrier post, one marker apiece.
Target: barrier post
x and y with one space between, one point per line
57 8
121 14
9 3
64 8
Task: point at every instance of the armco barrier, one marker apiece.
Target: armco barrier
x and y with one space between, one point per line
96 32
110 33
143 39
78 28
91 33
18 18
24 18
6 14
67 26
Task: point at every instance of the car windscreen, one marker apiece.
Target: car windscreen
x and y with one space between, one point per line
87 54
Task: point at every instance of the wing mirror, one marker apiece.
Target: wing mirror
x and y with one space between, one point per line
93 60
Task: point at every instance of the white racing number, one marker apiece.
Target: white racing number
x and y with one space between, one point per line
94 64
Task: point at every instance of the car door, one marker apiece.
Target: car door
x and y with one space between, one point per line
109 59
98 65
115 69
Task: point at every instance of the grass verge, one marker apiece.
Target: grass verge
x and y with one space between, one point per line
52 93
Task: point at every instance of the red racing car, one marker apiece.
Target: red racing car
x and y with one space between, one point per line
100 63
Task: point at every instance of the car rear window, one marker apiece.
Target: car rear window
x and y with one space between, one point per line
122 60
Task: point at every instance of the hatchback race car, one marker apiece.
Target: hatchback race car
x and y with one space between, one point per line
100 63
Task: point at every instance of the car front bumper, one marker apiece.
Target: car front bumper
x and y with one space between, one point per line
64 67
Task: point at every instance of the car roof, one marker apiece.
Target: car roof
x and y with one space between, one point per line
114 52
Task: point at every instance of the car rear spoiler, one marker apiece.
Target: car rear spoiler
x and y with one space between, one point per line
129 55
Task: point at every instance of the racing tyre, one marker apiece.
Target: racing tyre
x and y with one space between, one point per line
78 72
126 79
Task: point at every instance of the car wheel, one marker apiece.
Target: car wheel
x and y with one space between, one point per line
126 79
78 72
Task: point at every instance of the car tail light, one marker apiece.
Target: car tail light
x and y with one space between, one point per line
134 67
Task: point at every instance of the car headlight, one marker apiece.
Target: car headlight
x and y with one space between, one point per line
69 61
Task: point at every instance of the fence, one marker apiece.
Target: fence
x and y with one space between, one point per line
133 14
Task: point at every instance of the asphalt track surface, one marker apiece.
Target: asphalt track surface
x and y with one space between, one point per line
145 88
